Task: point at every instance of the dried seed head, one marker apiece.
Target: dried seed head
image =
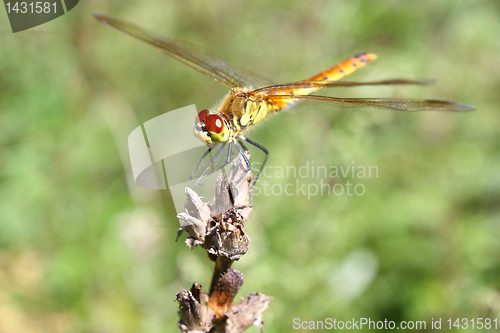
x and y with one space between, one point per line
219 227
190 310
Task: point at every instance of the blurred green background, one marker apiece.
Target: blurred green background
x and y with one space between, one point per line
83 249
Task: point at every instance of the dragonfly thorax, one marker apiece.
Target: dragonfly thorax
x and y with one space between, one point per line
242 108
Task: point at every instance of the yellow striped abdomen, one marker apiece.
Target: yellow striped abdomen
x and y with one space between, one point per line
334 73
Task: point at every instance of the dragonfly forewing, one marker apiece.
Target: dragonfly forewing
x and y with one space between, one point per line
191 55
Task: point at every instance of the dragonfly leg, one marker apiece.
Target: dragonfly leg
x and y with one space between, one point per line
243 145
210 165
247 162
253 143
199 162
228 160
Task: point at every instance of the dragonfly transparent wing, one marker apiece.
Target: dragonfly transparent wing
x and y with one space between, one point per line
381 103
194 56
331 84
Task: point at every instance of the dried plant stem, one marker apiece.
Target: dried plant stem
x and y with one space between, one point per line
218 228
221 266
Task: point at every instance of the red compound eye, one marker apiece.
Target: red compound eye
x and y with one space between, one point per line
214 123
201 116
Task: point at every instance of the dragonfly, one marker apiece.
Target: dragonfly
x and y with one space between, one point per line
252 98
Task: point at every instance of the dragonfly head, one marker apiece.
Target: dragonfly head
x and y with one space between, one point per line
211 128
